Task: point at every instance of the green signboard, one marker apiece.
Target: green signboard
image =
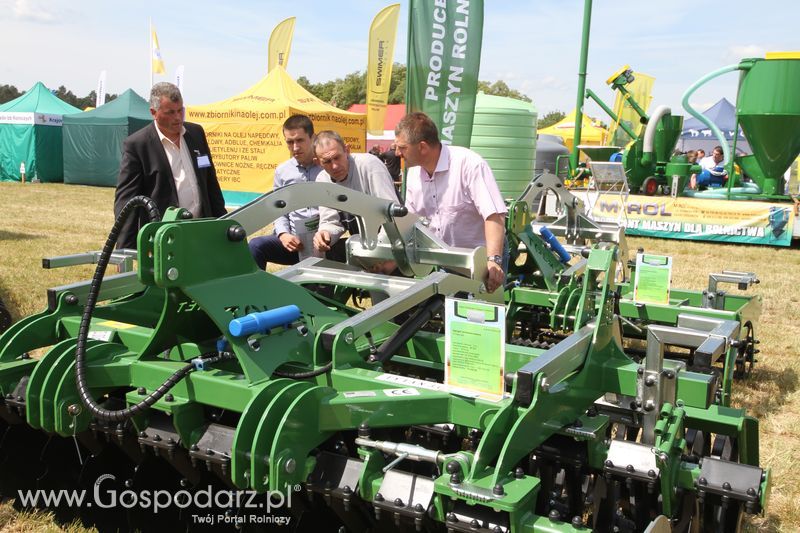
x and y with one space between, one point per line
653 276
475 347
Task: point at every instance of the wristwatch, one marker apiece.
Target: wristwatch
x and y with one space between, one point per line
498 259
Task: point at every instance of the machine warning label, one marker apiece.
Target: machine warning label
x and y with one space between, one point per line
422 384
359 394
101 335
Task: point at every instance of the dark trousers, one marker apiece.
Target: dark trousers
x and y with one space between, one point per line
269 249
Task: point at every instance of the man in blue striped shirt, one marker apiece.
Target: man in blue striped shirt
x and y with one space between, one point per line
294 232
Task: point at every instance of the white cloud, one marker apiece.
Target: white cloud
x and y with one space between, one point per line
33 11
736 53
552 83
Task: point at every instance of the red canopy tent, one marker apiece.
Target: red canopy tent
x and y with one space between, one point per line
394 112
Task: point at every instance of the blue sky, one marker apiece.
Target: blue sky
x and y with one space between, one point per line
533 45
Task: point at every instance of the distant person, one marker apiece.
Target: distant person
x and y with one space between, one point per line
454 188
700 154
360 172
392 162
293 236
168 161
375 150
713 174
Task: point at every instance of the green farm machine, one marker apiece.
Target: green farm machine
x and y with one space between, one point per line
767 109
195 375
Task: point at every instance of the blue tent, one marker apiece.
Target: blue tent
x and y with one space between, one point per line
696 135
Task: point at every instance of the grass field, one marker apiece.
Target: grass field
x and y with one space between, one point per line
44 220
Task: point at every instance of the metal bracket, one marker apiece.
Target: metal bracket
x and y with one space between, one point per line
435 283
371 212
730 480
113 287
710 337
714 299
122 258
404 495
629 459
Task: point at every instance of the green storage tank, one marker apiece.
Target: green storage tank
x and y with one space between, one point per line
768 108
504 133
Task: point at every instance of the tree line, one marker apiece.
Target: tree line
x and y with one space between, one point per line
352 89
341 92
9 92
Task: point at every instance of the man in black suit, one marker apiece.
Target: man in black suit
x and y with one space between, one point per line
170 162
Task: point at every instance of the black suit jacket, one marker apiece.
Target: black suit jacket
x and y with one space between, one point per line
145 170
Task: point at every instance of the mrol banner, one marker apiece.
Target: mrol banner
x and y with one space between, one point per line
444 57
698 219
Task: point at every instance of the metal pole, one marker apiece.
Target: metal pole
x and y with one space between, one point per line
632 102
591 94
150 48
576 140
731 164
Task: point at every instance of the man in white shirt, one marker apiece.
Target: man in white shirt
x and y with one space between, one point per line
168 161
713 173
454 188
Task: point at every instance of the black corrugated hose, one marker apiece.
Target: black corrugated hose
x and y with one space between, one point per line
154 215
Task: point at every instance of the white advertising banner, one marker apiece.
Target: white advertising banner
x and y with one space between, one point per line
44 119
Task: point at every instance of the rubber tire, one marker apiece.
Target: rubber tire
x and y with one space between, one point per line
649 186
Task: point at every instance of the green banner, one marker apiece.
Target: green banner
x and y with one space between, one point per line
444 57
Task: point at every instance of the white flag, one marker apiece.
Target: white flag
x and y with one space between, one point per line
179 78
100 97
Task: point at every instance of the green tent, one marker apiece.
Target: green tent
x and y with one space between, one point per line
93 140
30 133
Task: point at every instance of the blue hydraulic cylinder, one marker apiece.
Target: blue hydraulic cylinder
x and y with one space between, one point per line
556 246
263 321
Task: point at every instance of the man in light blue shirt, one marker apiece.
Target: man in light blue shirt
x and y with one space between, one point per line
294 232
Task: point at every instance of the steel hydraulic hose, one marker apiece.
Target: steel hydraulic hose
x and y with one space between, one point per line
153 214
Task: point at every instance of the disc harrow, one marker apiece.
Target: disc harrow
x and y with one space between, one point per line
197 392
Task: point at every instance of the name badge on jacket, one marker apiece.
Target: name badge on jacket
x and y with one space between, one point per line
203 161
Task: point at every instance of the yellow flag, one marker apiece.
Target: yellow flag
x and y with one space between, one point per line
156 61
640 89
379 69
280 44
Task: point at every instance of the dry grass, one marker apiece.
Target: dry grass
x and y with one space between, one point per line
52 219
44 220
12 521
771 393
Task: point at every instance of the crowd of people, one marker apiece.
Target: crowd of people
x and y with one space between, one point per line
451 187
